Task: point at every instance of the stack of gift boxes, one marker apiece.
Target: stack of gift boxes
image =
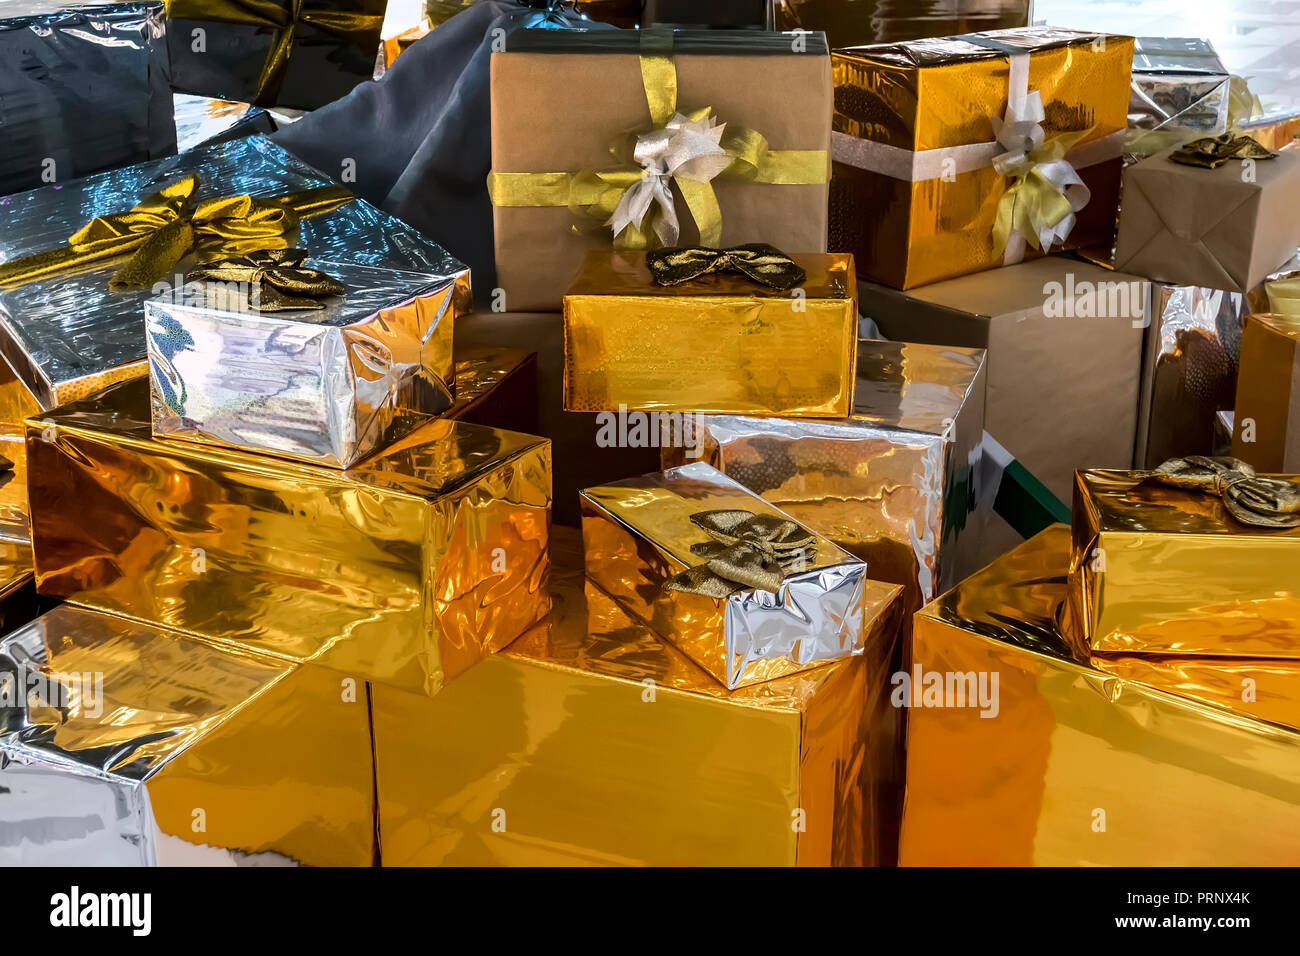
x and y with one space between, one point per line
314 608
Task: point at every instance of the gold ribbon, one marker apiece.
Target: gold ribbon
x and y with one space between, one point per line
1252 500
283 284
1284 296
361 30
758 261
747 551
1211 152
164 226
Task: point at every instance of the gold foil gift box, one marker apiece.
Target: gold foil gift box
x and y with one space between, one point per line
686 137
591 741
123 744
1171 570
1266 427
850 22
407 568
968 152
894 483
321 361
745 591
721 342
1151 761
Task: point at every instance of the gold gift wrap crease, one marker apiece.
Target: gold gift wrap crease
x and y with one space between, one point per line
720 343
407 568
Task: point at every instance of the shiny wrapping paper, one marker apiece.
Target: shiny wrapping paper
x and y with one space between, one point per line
637 533
717 14
1125 762
327 387
69 335
203 118
1180 88
942 93
1268 395
18 601
82 89
128 745
854 22
496 386
619 13
395 46
630 343
893 483
408 568
590 741
1160 570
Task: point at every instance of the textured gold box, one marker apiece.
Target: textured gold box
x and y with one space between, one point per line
590 741
152 747
408 568
720 343
1131 762
1163 570
1266 426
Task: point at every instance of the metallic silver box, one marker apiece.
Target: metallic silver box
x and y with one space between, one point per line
1179 84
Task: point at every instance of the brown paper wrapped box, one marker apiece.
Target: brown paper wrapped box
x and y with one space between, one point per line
1266 428
1225 228
1062 381
561 99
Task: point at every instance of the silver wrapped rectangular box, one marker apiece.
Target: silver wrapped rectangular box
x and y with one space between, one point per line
1180 89
328 386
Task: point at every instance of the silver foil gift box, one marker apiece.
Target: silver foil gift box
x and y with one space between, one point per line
1180 87
328 386
745 591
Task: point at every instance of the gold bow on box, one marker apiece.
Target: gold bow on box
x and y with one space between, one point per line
1211 152
747 551
766 265
281 281
1252 500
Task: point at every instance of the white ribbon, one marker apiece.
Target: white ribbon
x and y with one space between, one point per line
683 148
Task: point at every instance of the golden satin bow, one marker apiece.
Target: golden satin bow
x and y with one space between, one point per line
747 551
1211 152
281 281
1252 500
282 17
766 265
164 226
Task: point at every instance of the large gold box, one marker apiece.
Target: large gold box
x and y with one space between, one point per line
721 343
1149 762
408 568
914 194
1164 570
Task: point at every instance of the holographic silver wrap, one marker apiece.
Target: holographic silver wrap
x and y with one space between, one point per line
328 387
1179 83
68 335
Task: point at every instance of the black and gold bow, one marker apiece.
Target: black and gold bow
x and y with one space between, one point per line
747 551
765 264
1263 502
1211 152
283 283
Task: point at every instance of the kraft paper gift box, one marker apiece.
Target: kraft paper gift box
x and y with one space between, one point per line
767 96
1152 761
853 22
916 195
66 333
682 551
281 53
1064 341
1163 570
1180 91
1225 228
82 89
407 568
894 483
591 741
327 386
630 343
123 744
1266 428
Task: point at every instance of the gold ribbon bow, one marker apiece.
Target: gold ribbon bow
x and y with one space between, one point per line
356 29
1211 152
747 551
283 284
766 265
164 226
1252 500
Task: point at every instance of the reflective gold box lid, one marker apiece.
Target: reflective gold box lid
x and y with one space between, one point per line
630 343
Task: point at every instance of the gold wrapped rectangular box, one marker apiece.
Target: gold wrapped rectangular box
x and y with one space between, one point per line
630 343
1266 427
123 744
408 568
641 532
1149 761
1160 570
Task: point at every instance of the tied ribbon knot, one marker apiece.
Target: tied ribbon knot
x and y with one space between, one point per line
282 282
758 261
165 226
1252 500
747 551
1211 152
